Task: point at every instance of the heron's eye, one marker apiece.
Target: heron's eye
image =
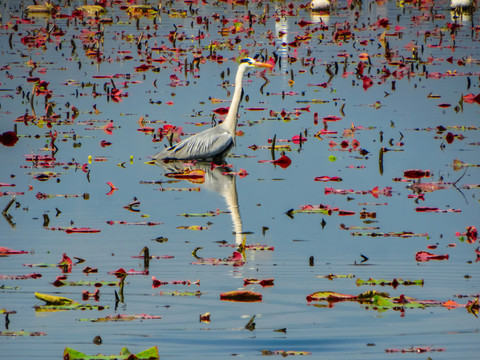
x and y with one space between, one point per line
246 60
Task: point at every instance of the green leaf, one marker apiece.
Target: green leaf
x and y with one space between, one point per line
149 354
53 300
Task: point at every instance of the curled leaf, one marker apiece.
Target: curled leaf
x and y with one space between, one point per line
241 296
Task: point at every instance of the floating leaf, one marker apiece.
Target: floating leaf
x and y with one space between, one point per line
206 214
471 98
123 317
221 110
284 353
241 296
416 174
92 10
263 282
22 333
149 354
8 138
140 223
235 259
416 350
373 299
121 273
252 247
402 234
197 293
328 178
332 118
22 277
393 283
6 251
435 210
322 209
427 187
60 282
376 191
205 317
193 227
284 161
471 235
53 300
333 276
426 256
158 283
137 11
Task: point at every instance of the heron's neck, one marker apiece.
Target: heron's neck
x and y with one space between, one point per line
230 122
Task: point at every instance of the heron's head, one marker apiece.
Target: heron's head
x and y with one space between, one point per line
250 62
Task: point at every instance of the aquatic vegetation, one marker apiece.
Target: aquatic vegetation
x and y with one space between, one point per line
236 259
381 301
22 333
284 353
283 161
6 251
158 283
263 282
59 303
393 283
123 317
241 296
151 353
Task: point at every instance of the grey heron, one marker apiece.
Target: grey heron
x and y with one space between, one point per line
215 142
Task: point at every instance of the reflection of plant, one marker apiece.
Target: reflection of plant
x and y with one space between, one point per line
116 95
41 89
170 132
381 301
151 353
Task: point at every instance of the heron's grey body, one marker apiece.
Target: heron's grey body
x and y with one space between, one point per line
214 143
211 144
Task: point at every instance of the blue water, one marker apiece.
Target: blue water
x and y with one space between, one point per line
348 330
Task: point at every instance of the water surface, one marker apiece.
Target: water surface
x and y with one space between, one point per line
399 112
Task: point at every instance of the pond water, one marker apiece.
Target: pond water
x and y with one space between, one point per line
399 78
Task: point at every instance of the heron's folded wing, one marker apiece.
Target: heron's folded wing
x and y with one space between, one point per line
204 145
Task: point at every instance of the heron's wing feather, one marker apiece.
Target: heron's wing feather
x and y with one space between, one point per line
204 145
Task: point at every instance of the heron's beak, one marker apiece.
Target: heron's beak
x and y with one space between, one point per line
262 64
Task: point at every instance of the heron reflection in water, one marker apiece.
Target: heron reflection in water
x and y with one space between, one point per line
217 180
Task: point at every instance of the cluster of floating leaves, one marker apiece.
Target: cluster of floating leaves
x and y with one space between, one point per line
370 53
